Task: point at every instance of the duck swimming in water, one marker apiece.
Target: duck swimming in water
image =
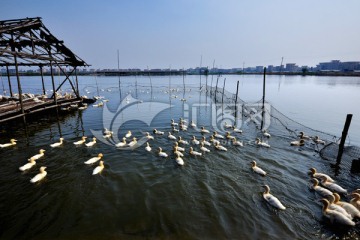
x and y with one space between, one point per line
335 207
203 130
179 160
273 201
194 153
355 201
133 142
83 139
161 153
332 186
192 124
39 176
203 140
179 148
216 135
39 155
303 136
349 208
317 140
122 143
237 130
176 151
315 174
94 159
183 141
320 190
219 147
334 216
158 132
266 134
257 169
228 136
29 165
128 134
148 136
172 137
203 148
237 143
57 144
92 143
260 143
301 142
99 168
12 143
148 148
195 141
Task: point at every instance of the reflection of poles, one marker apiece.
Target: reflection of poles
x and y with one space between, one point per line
97 86
119 72
184 79
42 79
200 70
58 123
81 122
217 81
206 85
222 98
136 85
263 102
150 82
8 75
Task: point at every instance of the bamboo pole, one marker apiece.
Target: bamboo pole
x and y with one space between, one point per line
42 79
8 75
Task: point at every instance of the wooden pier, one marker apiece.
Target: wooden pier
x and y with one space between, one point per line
28 43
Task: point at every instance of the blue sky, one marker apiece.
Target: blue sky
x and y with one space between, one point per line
176 33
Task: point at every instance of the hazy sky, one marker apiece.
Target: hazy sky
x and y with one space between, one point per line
176 33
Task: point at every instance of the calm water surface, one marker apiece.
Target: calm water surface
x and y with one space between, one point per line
140 195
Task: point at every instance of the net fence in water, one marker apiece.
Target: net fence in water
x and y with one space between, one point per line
288 128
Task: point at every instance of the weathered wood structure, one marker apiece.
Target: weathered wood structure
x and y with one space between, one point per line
27 42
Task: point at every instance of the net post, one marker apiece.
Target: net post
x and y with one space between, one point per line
343 138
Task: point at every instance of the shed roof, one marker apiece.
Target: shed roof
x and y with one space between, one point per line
33 45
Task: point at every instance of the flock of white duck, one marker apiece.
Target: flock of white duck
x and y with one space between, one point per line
337 211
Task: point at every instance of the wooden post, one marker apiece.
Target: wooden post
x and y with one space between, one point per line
42 79
19 87
236 98
77 83
53 84
8 75
222 97
263 102
343 138
217 81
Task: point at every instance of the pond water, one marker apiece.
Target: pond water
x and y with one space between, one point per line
141 195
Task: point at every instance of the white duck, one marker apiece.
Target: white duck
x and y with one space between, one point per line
203 148
355 201
235 129
128 134
133 142
216 135
12 143
173 123
194 153
183 141
148 136
148 148
83 139
183 127
335 207
266 134
94 159
335 216
203 140
237 143
176 151
122 143
257 169
92 143
203 130
195 141
106 131
320 190
260 143
175 129
219 147
108 135
351 209
158 132
315 174
172 137
226 125
57 144
179 160
39 176
99 168
192 124
181 149
301 142
161 153
317 140
228 136
213 140
332 186
29 165
39 155
271 199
